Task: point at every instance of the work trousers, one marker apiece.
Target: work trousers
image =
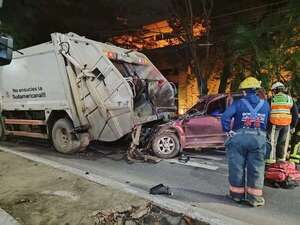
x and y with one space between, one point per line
279 137
295 150
245 152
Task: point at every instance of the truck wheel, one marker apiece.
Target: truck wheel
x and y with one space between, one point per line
62 138
166 145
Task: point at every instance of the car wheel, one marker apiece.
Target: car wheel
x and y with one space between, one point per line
62 137
166 145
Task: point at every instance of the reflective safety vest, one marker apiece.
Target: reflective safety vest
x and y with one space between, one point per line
281 109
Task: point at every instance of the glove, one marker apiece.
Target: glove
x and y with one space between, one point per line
292 130
230 133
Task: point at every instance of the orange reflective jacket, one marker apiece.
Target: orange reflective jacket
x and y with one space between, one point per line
281 109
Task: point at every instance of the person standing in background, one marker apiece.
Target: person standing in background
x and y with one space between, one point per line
283 120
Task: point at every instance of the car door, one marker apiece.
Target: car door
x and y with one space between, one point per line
205 131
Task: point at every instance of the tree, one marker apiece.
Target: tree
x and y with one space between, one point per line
270 50
183 23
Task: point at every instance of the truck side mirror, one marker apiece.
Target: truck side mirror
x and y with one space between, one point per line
6 50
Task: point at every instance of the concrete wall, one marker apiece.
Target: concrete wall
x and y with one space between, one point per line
188 92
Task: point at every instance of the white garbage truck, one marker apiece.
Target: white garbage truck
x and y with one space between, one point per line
73 90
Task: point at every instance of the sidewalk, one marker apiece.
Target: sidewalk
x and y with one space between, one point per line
32 193
6 219
37 194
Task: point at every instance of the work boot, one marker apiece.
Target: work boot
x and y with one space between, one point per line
238 198
255 201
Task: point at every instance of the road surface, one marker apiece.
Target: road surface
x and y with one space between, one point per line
202 182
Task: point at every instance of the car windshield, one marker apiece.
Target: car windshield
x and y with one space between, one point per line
217 107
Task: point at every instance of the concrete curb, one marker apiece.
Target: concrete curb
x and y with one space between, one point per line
171 204
6 219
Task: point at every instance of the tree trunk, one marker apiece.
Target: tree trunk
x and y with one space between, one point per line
202 86
224 77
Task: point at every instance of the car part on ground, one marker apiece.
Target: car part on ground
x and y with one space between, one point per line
184 158
160 189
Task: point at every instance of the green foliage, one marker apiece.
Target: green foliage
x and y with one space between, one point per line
270 50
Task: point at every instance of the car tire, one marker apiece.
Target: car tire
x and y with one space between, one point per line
62 138
166 145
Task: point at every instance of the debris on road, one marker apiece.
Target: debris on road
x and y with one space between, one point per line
148 214
183 158
160 189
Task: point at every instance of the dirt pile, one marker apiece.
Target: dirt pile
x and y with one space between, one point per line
148 214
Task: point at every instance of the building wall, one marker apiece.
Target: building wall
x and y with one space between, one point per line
188 92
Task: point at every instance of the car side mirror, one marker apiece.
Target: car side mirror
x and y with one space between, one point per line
6 50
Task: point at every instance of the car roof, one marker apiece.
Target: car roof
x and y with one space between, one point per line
208 98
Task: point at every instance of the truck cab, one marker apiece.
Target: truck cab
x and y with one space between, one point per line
6 46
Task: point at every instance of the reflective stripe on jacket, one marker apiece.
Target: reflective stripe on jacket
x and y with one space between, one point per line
281 109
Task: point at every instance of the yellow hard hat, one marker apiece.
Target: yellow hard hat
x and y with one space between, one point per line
250 83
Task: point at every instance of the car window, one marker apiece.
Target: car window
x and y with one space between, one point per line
197 108
217 107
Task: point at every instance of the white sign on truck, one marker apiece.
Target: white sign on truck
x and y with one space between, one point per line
73 90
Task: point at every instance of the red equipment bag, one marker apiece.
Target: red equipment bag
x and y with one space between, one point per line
282 171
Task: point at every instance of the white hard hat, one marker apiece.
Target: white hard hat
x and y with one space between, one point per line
277 85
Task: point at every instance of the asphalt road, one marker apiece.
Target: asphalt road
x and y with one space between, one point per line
201 182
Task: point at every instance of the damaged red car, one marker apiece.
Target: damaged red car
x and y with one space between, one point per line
199 128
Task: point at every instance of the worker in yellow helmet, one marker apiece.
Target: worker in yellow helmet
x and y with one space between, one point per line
246 145
283 119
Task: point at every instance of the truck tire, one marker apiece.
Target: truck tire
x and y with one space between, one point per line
166 145
63 139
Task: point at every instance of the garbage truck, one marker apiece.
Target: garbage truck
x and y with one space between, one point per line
73 90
